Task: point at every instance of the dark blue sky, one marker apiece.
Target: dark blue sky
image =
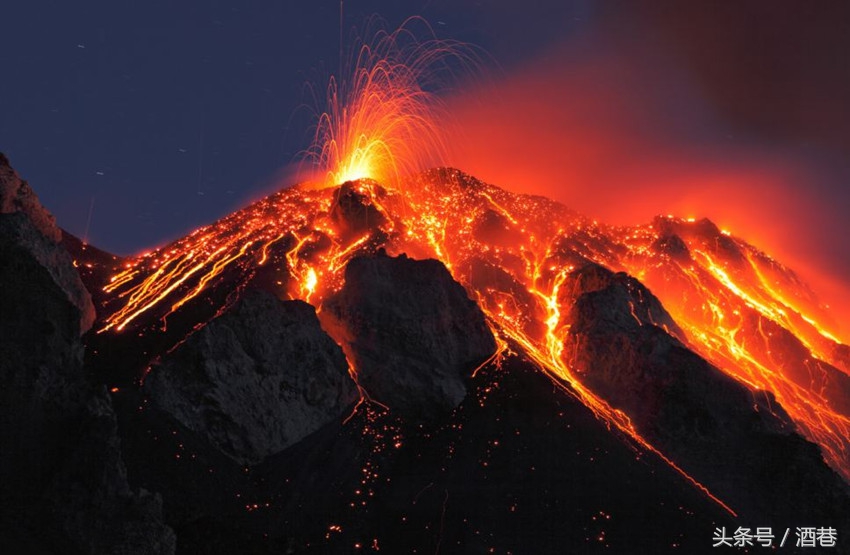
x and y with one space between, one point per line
141 106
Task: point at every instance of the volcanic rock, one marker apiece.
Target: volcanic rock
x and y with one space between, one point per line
42 238
17 196
703 231
673 246
63 485
737 441
255 380
619 291
411 331
354 210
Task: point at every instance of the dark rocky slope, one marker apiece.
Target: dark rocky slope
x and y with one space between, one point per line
741 444
255 380
411 330
248 429
42 239
63 484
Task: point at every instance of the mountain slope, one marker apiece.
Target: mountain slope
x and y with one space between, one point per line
653 370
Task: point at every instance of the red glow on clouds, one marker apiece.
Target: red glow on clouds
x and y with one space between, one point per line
617 134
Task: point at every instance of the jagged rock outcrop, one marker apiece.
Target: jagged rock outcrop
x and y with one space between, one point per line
255 380
353 208
411 331
17 196
63 485
626 348
738 442
42 239
622 292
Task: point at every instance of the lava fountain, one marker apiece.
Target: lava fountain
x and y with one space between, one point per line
381 119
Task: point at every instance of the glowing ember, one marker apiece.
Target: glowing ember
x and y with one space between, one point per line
380 122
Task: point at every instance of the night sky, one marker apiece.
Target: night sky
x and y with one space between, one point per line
164 116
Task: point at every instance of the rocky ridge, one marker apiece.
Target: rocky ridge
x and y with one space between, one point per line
412 332
255 380
64 485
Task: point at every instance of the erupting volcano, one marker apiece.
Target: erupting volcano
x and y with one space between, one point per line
399 357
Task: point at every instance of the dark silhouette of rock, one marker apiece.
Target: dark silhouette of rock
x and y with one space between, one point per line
42 239
411 331
353 208
63 485
735 441
627 300
673 246
17 196
255 380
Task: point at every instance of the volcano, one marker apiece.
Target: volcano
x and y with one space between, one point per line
440 366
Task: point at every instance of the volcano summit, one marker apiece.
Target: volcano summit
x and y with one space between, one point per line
440 367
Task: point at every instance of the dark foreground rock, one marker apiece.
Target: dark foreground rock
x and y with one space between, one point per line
41 238
63 485
255 380
411 331
737 442
518 467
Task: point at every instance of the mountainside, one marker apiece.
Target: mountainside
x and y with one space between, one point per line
447 367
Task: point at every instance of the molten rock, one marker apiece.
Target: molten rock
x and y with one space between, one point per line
625 347
412 332
255 380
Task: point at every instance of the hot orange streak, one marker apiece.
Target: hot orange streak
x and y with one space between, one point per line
148 289
264 257
777 312
549 359
716 334
153 301
119 279
216 269
339 259
793 306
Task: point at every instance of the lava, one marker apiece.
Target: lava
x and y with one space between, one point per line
381 122
514 253
767 333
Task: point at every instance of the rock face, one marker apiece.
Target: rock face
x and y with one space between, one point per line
63 485
411 330
255 380
735 441
42 239
17 196
623 351
353 210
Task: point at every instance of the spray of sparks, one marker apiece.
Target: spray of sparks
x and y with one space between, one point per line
380 122
739 308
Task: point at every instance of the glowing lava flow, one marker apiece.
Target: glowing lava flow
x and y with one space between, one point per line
513 253
548 357
716 288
